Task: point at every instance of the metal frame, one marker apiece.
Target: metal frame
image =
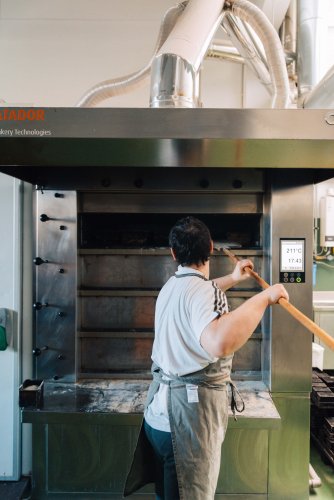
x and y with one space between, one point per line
104 138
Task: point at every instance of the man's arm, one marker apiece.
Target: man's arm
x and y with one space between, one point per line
229 332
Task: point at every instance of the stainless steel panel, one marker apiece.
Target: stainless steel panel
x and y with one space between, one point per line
248 358
291 216
221 266
134 271
56 284
149 271
116 312
244 464
94 464
289 449
183 202
122 123
115 355
229 138
199 180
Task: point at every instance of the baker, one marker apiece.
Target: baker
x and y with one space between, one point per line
186 414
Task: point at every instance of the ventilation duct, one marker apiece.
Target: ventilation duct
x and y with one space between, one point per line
252 15
183 43
176 68
316 88
312 43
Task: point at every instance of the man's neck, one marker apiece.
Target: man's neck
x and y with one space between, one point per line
202 268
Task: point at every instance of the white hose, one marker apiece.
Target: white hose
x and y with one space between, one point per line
122 85
191 36
272 46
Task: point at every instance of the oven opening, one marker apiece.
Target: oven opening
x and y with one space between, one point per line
123 261
150 230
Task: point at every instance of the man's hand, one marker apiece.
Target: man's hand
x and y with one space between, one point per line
239 273
276 292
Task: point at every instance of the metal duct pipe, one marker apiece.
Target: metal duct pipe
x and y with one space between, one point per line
192 34
272 46
174 83
175 69
235 29
220 50
311 43
322 96
128 83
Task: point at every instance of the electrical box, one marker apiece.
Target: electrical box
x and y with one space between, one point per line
327 219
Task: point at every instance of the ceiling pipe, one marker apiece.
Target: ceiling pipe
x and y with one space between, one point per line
219 49
311 44
175 75
272 47
192 34
239 36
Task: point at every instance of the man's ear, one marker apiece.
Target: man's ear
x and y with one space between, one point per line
211 246
173 254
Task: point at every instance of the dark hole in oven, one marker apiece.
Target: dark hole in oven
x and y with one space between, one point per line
147 230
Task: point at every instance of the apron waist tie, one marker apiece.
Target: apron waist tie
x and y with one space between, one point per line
237 403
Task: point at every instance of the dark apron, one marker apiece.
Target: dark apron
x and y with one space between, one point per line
197 430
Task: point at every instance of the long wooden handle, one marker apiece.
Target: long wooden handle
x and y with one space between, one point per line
296 313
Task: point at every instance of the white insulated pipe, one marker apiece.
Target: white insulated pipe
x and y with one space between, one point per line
272 46
192 34
236 30
312 43
175 73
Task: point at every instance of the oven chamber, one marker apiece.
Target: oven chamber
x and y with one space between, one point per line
107 258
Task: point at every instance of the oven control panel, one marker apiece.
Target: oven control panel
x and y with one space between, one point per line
292 260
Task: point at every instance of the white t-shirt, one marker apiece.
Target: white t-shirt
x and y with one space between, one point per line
185 306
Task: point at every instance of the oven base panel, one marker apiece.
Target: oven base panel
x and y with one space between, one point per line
86 455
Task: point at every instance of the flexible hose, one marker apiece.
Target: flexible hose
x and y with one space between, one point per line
272 46
122 85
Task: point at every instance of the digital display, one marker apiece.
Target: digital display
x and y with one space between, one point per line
292 255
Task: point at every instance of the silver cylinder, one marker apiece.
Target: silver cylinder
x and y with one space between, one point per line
311 43
174 83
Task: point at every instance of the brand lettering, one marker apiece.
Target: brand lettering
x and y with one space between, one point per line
8 114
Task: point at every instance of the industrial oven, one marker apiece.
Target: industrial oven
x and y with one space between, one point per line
103 204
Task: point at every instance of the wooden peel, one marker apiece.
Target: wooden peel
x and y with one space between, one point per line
298 315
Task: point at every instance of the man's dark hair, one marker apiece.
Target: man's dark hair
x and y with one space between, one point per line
190 240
